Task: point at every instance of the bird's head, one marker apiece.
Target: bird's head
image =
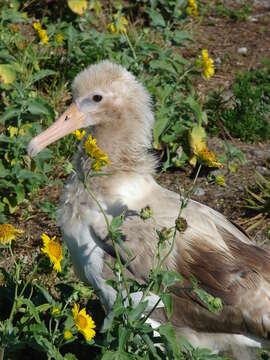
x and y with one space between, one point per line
104 93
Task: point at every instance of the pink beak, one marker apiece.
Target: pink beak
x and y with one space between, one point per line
72 119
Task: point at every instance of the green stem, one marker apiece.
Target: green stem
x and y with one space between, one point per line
130 45
30 278
2 352
92 195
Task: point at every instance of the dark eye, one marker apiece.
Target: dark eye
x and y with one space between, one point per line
97 98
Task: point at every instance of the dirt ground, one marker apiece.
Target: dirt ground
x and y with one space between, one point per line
223 37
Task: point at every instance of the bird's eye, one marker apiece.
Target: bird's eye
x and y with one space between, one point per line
97 98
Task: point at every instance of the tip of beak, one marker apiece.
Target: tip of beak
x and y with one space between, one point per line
33 148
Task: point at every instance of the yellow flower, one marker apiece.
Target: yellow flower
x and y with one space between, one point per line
192 9
13 131
207 64
41 33
119 24
79 134
43 36
37 26
59 38
55 311
99 156
84 322
208 158
77 6
220 180
67 334
8 233
54 250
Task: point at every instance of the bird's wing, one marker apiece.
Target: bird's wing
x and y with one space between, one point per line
221 258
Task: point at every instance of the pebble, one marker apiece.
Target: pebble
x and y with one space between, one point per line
199 192
218 61
217 172
263 170
242 51
252 19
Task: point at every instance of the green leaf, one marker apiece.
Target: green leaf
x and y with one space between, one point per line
31 308
46 294
170 278
195 107
12 205
10 113
156 18
123 337
70 356
137 312
151 346
180 36
38 107
161 123
167 331
162 65
168 302
42 74
20 193
112 355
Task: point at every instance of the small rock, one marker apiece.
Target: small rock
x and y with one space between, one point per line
217 172
252 19
242 51
263 170
218 61
199 192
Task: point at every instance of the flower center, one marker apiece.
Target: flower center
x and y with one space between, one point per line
81 321
55 249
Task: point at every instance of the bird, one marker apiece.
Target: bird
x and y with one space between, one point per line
110 103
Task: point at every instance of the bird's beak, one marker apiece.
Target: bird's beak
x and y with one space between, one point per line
72 119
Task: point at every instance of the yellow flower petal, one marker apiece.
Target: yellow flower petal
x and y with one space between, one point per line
84 322
53 249
77 6
7 73
207 64
79 134
99 156
192 9
8 233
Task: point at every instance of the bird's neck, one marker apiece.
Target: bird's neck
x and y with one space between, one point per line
127 142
